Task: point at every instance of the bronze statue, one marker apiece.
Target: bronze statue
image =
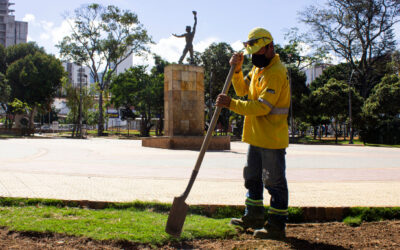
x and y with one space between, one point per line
189 35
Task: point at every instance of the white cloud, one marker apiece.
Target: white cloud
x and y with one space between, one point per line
46 33
59 32
204 44
171 48
44 36
238 45
47 25
29 18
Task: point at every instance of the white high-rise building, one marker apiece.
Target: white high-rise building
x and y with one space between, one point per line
314 71
78 74
11 32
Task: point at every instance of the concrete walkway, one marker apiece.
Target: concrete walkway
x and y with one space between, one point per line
122 170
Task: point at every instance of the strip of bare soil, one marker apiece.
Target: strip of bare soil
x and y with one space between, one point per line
371 235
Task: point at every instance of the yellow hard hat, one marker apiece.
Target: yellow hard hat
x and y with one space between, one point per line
258 38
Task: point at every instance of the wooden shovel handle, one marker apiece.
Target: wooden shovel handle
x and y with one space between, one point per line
210 130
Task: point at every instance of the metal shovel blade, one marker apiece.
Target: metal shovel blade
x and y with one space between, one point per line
176 217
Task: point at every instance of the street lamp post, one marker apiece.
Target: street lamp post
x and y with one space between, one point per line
350 110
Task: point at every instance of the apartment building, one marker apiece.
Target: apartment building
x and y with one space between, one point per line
11 32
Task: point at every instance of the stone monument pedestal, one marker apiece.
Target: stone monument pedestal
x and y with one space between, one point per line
187 142
184 111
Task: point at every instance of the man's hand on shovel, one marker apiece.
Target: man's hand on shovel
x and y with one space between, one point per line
223 101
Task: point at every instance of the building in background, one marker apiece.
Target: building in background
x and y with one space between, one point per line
78 74
124 65
314 71
11 32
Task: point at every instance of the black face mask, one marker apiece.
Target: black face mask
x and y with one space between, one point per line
260 61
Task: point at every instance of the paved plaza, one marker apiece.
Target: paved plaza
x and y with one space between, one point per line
123 170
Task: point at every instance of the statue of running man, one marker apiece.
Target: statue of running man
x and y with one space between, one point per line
189 35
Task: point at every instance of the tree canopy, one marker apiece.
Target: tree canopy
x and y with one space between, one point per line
384 101
135 87
35 78
102 38
360 31
32 77
333 102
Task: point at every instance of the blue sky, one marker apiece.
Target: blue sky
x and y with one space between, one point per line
218 20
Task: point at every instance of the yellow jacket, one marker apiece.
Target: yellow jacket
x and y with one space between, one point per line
267 107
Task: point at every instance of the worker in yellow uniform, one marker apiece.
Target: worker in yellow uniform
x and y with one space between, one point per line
265 129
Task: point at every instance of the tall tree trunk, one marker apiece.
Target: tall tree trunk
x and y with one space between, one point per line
31 124
336 133
74 127
320 132
326 130
101 117
315 132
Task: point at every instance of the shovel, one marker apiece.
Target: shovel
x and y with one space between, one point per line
179 208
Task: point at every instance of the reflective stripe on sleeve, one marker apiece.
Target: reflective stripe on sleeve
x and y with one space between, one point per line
266 103
274 110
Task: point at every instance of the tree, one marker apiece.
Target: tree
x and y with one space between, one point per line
35 80
73 95
18 107
359 31
135 87
159 65
381 112
340 72
157 73
313 113
215 60
5 90
394 65
3 65
103 37
296 53
333 102
298 91
7 57
19 51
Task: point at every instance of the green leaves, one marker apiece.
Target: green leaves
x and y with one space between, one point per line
145 92
102 38
35 78
384 102
361 32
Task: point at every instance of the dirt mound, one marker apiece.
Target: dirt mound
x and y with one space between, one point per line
371 235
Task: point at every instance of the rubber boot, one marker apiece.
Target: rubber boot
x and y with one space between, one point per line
273 229
253 218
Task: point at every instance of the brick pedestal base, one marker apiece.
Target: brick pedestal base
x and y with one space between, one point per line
187 142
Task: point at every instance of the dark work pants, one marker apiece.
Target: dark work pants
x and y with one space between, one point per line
267 168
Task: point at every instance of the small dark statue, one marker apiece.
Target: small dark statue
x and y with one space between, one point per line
189 35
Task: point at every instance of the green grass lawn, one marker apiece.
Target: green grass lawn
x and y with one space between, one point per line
145 227
143 222
7 136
